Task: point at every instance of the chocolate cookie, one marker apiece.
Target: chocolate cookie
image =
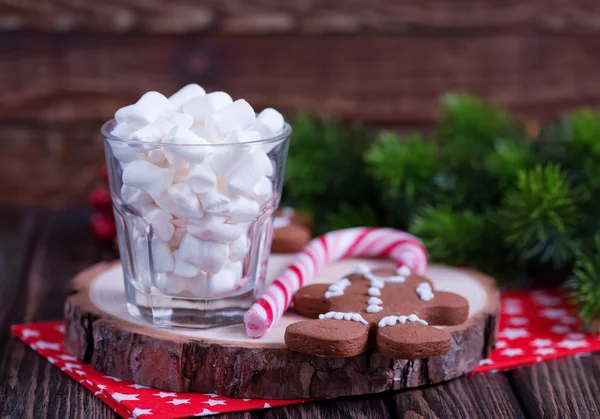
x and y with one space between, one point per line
391 311
291 231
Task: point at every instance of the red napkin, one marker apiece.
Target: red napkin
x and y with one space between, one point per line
534 326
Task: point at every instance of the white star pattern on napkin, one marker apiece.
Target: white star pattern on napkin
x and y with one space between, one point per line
47 345
541 342
67 357
205 412
544 351
553 313
137 412
28 333
575 336
514 333
112 378
214 402
568 320
545 300
120 396
70 367
500 344
162 394
137 386
560 329
486 362
177 402
572 344
512 352
518 321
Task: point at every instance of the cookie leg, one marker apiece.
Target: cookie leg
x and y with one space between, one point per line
412 341
329 337
447 309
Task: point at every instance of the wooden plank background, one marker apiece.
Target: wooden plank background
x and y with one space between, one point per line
67 65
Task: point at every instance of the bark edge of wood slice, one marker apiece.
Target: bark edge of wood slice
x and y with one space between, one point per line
156 358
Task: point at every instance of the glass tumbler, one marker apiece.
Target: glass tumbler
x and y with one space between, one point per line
194 225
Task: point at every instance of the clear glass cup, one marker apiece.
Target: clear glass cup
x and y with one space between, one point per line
194 245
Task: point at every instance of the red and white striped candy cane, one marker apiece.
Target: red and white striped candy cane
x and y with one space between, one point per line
406 249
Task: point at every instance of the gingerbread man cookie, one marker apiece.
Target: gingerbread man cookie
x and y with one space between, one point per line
392 311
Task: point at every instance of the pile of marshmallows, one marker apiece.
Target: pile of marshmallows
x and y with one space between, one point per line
188 172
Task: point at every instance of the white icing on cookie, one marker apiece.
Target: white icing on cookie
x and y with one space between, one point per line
374 308
425 292
362 269
374 292
383 279
375 300
285 219
337 288
337 315
404 271
392 320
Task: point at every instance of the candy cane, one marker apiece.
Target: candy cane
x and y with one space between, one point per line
406 249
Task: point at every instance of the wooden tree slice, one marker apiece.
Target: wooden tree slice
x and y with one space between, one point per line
100 331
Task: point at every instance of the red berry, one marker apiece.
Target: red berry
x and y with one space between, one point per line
104 173
103 227
100 198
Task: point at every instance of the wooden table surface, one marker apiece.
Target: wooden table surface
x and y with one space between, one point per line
40 251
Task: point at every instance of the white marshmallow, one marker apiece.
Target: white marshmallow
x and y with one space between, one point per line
162 257
201 179
242 210
178 235
269 123
245 177
215 202
122 130
183 268
237 115
181 120
207 256
160 220
224 282
185 201
151 133
183 148
263 190
149 178
122 115
177 99
215 228
170 284
134 197
146 110
202 107
237 268
156 156
225 159
123 152
239 248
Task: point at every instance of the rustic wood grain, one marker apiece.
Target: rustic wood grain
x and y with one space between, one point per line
377 79
42 252
355 408
49 165
474 396
567 388
267 16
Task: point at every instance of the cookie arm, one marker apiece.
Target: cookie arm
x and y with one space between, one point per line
329 337
310 301
445 309
411 341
